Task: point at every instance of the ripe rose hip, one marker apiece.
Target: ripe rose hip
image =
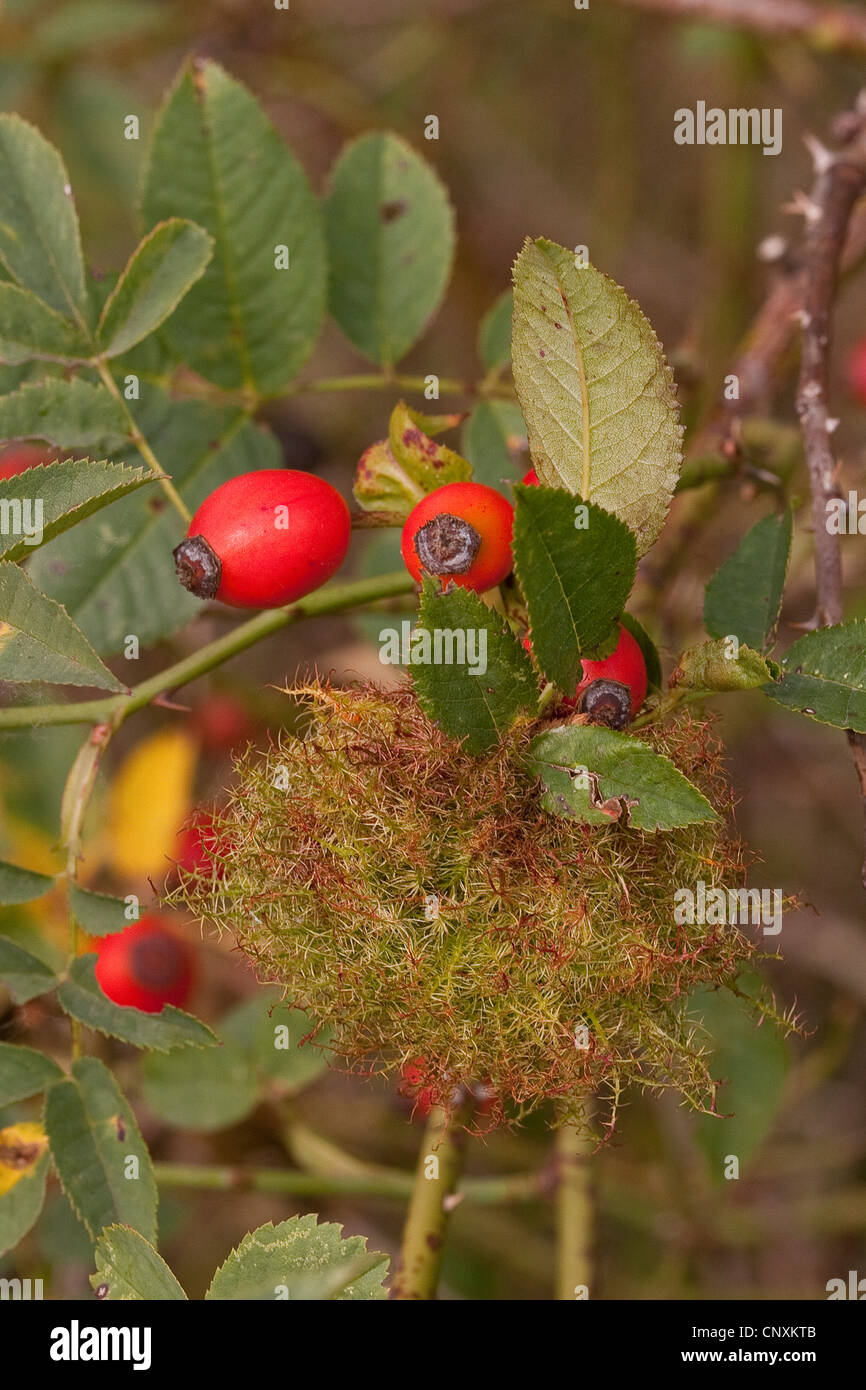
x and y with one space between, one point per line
145 966
625 665
530 479
16 458
460 532
264 539
221 722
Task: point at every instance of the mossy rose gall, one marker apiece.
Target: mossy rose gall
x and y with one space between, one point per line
341 839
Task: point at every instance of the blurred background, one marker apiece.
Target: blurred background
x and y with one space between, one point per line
558 122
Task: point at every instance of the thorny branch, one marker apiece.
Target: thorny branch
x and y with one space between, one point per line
840 179
762 351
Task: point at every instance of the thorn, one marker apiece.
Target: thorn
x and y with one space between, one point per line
822 159
451 1201
831 424
165 703
803 206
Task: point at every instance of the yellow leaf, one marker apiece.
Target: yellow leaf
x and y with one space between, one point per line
150 799
21 1147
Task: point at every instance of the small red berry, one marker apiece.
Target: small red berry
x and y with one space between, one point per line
221 723
530 479
856 371
145 966
16 458
264 539
625 665
460 532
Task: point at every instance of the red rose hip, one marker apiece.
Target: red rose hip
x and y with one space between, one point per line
17 458
265 539
460 532
625 665
145 967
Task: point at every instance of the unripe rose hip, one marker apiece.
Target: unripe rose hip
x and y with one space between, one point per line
265 539
460 532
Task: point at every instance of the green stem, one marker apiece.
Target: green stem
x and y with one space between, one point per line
115 708
77 792
140 442
574 1215
374 1182
436 1175
383 381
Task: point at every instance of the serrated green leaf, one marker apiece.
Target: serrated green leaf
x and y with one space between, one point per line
161 270
395 473
599 776
477 709
273 1038
80 996
93 1136
24 1072
218 161
492 438
648 648
29 328
24 975
66 493
60 1235
597 395
68 414
97 913
390 231
754 1063
40 243
24 1162
824 676
575 577
115 573
21 885
709 666
40 642
300 1259
427 463
494 334
744 596
201 1090
128 1268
